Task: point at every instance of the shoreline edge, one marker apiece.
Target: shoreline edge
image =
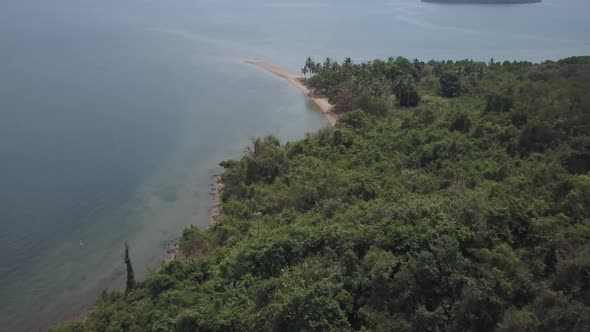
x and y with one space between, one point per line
297 82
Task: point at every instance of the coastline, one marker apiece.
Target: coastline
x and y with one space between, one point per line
170 252
216 186
215 191
171 247
296 81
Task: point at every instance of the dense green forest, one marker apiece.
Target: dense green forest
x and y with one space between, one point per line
450 196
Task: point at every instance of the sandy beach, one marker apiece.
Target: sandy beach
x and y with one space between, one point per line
296 81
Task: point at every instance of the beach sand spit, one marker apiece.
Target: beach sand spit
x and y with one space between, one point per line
296 81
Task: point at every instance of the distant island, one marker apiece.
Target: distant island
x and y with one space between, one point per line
484 1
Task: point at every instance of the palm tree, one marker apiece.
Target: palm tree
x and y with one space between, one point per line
347 67
334 66
309 66
327 63
304 71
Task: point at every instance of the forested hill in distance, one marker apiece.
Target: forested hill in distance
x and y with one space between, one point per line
484 1
449 196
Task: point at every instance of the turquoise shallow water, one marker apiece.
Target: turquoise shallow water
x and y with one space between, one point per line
114 114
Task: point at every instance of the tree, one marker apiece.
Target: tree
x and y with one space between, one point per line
450 85
498 103
343 102
309 66
317 67
460 122
304 71
405 91
401 66
130 274
369 104
328 63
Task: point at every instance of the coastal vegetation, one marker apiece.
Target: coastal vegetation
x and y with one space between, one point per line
450 196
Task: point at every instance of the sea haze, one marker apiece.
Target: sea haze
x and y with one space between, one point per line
115 114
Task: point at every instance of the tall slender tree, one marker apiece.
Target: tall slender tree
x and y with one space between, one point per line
317 67
405 91
130 274
309 65
327 63
304 71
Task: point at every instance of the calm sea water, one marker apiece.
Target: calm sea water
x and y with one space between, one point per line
114 114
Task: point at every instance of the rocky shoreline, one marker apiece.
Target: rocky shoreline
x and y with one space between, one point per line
171 251
215 199
215 190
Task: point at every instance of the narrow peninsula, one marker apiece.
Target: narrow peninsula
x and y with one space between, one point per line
297 82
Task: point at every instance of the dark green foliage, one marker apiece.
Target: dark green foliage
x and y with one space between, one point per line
578 163
459 215
408 97
160 283
376 79
460 122
518 118
188 322
130 275
450 85
498 103
536 138
405 91
355 119
576 60
267 161
370 105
